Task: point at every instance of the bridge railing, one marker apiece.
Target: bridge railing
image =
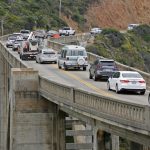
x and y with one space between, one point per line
92 57
14 61
95 105
4 38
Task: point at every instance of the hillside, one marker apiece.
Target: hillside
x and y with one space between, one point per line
80 14
131 48
118 13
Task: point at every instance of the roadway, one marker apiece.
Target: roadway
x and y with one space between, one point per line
80 79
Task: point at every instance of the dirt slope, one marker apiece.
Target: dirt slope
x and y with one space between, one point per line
118 13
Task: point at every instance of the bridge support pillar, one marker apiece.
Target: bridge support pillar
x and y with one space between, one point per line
98 137
35 123
4 75
135 146
115 142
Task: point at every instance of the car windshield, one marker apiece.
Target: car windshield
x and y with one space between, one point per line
11 38
131 75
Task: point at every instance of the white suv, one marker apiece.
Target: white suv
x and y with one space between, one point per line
73 56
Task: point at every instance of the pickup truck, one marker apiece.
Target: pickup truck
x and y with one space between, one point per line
67 31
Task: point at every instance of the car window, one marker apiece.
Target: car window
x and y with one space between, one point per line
96 62
63 53
107 63
66 28
51 53
131 75
116 75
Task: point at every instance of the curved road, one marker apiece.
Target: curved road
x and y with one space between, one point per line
80 79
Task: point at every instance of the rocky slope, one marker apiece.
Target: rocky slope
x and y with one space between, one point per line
118 13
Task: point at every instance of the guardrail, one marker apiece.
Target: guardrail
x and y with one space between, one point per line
13 61
92 57
125 113
73 38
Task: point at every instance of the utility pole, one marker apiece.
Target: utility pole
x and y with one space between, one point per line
59 8
2 27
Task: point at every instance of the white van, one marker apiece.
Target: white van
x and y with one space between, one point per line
73 56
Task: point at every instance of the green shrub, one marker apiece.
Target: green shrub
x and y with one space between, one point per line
115 37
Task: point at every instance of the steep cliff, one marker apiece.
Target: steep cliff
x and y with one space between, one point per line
118 13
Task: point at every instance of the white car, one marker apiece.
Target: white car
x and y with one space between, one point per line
95 31
127 81
46 55
132 26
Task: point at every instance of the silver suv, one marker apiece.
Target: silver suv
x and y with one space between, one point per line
72 56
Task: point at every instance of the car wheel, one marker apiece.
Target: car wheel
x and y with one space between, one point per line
108 86
55 62
116 88
149 98
90 76
59 67
142 92
94 77
36 60
84 68
40 61
65 67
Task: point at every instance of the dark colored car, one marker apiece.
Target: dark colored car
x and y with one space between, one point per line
102 69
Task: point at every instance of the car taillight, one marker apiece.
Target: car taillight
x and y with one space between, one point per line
124 81
98 66
85 58
142 81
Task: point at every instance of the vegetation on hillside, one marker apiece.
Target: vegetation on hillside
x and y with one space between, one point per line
29 14
131 48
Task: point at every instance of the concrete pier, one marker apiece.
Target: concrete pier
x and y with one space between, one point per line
35 123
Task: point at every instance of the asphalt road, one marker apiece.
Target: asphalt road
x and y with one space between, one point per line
80 79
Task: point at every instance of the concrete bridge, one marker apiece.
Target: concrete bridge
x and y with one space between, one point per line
33 111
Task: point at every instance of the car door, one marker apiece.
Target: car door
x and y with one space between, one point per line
114 80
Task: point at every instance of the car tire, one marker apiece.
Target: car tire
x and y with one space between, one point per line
142 92
36 60
94 77
108 86
149 98
90 76
59 67
55 62
84 68
117 90
65 67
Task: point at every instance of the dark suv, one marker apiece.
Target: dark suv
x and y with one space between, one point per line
102 68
